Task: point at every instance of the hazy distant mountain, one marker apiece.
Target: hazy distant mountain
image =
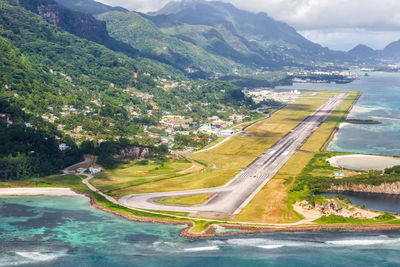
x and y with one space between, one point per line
392 50
390 53
362 51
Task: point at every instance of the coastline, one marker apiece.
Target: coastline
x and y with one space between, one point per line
190 223
37 191
337 128
186 232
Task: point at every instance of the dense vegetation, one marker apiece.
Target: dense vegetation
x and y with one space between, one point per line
51 79
143 35
77 23
317 176
26 151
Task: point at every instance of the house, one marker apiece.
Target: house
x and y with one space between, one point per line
227 132
63 147
78 129
166 139
221 124
338 174
94 170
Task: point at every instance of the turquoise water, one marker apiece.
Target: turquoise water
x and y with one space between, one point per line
66 231
380 101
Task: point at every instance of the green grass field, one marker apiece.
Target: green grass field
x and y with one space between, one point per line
273 204
230 158
185 201
242 149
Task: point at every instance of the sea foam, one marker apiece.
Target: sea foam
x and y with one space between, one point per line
38 256
202 248
270 246
356 242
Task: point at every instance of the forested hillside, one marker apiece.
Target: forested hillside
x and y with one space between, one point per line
80 24
59 88
143 35
28 145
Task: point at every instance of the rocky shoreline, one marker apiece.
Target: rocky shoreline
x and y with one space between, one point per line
385 188
210 231
244 229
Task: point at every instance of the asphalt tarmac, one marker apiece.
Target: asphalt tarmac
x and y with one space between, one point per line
232 197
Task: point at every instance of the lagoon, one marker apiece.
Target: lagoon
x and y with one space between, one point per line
380 102
67 231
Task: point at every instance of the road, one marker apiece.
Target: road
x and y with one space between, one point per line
71 169
232 197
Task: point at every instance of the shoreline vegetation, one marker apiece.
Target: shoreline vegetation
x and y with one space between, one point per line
209 227
337 127
203 227
357 121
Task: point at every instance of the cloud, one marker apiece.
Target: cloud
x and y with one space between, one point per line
334 23
329 13
347 38
137 5
306 14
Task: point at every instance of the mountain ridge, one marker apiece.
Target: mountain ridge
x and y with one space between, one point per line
78 23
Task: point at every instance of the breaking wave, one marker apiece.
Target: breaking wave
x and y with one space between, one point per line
202 248
19 258
270 246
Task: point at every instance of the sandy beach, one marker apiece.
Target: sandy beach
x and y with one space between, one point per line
37 191
363 162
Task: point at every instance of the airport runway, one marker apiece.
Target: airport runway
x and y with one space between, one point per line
232 197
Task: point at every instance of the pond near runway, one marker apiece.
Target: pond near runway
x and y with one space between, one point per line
380 202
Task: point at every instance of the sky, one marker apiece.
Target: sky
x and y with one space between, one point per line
337 24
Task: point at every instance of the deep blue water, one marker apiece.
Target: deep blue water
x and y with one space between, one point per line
66 231
380 101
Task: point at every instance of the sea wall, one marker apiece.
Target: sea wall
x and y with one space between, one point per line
385 188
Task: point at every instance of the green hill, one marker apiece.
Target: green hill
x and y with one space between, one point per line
274 41
89 6
145 36
27 143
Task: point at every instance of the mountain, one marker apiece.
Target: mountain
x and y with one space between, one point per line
89 6
391 53
362 51
62 71
27 143
365 54
144 35
392 50
80 24
258 32
213 37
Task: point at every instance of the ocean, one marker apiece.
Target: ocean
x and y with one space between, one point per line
67 231
380 101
